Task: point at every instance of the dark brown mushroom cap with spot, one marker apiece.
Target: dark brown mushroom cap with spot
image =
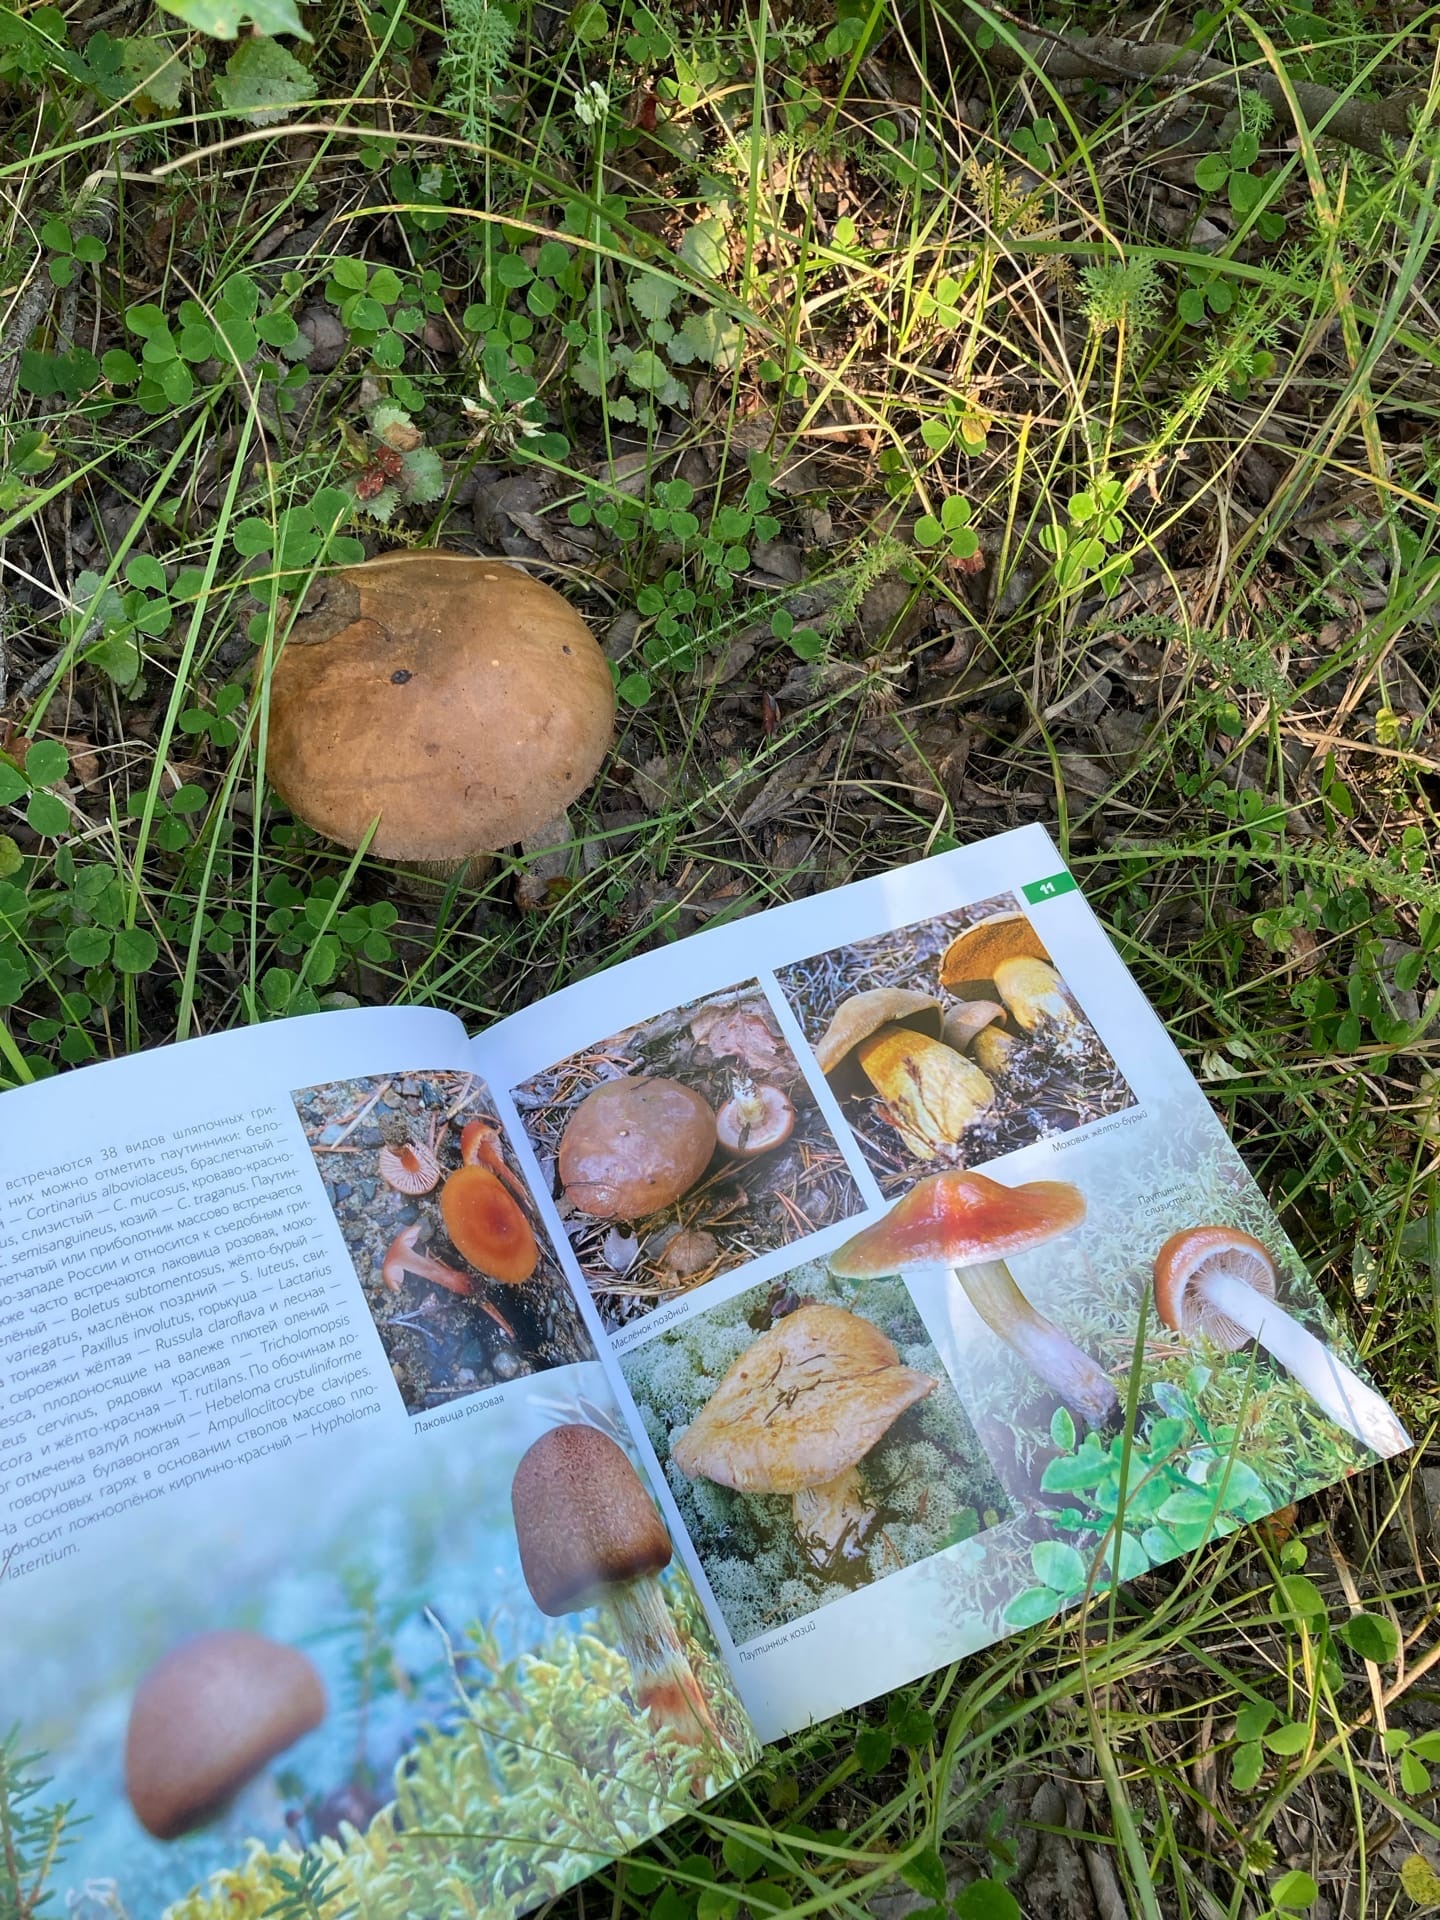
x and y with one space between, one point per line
461 701
974 954
960 1219
635 1145
583 1520
1182 1262
207 1717
862 1014
803 1403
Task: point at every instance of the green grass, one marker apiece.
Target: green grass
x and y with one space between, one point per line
1105 429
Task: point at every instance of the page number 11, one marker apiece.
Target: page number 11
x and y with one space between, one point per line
1050 889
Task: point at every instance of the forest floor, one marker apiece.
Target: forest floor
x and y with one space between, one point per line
943 426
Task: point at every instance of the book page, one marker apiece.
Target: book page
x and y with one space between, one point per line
324 1544
878 1196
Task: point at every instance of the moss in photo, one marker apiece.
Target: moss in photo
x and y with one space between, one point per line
543 1775
927 1479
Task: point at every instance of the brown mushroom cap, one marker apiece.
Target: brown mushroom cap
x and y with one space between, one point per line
1186 1256
803 1403
967 1019
975 953
583 1520
960 1219
207 1717
456 698
862 1014
635 1145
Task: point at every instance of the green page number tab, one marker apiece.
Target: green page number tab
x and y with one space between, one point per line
1050 889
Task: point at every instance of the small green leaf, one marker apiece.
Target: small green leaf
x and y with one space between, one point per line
221 18
1247 1765
926 1873
1058 1566
1414 1774
1294 1892
87 946
1253 1719
47 815
1291 1738
986 1900
1032 1607
1211 173
1372 1636
46 762
136 951
263 81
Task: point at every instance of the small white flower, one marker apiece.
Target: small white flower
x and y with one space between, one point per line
592 103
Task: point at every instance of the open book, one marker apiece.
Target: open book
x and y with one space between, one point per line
431 1464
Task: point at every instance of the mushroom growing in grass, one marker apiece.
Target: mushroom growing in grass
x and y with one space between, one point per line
456 700
972 1225
590 1535
207 1718
1220 1282
635 1145
756 1119
797 1413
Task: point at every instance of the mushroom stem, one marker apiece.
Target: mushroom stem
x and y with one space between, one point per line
665 1683
1081 1382
833 1517
1330 1383
401 1258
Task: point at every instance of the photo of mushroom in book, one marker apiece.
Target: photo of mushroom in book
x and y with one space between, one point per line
434 1463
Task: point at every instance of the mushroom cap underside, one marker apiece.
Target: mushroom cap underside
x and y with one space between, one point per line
803 1403
207 1717
635 1145
974 954
456 698
1180 1269
755 1123
862 1014
583 1519
960 1219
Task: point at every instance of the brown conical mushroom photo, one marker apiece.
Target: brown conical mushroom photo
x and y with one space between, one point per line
448 1248
590 1535
693 1129
812 1441
455 704
952 1042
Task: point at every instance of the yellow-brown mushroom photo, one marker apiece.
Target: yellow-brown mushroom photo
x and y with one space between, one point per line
953 1041
682 1147
813 1443
460 1279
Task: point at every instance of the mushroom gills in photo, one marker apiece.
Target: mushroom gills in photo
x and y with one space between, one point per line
1221 1282
796 1414
590 1535
970 1224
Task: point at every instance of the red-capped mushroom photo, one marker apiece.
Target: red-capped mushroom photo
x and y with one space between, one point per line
682 1147
448 1247
952 1042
